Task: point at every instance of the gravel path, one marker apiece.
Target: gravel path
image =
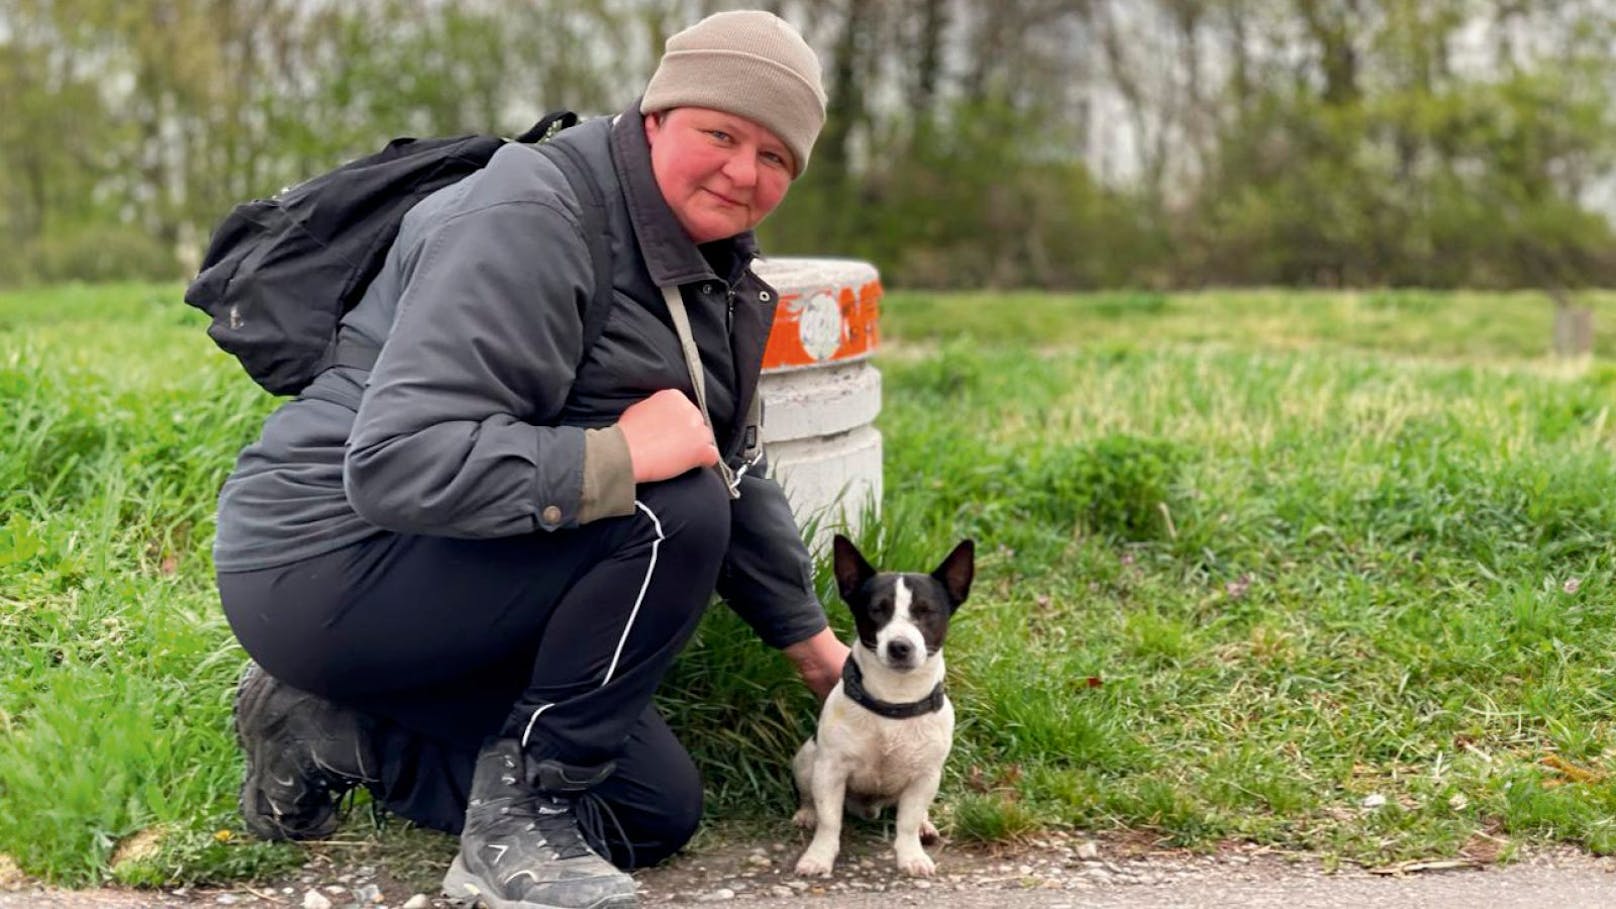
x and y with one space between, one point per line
1055 873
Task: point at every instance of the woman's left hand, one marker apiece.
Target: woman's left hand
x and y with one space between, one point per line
819 660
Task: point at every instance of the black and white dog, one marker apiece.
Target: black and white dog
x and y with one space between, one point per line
886 728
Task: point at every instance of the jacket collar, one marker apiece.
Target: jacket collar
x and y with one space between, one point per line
670 256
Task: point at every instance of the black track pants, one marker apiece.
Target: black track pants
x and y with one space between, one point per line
559 639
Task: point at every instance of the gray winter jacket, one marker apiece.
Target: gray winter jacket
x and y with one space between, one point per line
483 417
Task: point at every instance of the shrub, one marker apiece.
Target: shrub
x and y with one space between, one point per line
101 253
1115 485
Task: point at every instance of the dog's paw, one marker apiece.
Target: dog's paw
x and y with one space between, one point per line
815 865
928 834
805 818
917 864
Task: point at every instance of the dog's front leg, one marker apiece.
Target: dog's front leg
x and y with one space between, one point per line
830 787
912 805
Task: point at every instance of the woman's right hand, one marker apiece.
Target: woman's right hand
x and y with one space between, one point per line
666 436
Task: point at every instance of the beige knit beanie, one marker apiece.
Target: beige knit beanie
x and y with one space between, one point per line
749 63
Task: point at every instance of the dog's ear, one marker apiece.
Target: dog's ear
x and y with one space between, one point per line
956 572
851 569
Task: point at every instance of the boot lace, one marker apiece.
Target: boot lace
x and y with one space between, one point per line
555 819
592 812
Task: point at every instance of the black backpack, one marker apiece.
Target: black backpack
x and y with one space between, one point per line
280 272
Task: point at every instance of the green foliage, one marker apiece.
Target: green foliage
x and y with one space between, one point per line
207 852
992 819
958 206
1387 575
101 253
1119 485
1434 183
1331 153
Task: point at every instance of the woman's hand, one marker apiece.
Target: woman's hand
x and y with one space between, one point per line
819 660
666 436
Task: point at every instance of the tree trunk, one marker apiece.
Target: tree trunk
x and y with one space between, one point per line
1573 327
923 97
846 104
1333 29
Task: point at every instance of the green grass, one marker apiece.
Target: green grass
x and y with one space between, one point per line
1245 561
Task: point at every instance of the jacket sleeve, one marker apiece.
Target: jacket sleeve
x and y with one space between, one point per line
768 575
452 434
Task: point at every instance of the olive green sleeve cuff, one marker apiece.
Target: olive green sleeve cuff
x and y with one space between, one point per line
608 476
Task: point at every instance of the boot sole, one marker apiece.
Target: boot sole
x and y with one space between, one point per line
464 889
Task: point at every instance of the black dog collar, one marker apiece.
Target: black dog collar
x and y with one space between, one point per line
853 687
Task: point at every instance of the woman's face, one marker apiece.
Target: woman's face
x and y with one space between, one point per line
720 173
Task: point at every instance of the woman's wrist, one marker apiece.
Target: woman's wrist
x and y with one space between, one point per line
815 650
819 661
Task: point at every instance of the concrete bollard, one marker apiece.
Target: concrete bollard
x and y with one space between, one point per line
820 392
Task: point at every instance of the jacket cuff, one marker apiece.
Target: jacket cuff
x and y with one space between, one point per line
608 476
800 632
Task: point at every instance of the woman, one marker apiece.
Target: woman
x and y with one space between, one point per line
464 572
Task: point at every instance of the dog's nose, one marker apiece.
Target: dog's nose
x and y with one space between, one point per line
900 650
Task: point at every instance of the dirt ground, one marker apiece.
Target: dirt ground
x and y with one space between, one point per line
1052 872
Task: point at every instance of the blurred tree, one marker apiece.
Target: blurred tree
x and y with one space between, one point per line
1065 143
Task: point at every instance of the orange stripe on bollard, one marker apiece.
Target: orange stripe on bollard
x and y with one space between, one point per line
817 325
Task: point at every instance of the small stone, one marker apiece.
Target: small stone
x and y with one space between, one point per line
798 886
335 890
719 895
922 885
418 901
780 890
1374 800
314 899
759 859
1088 851
370 893
227 899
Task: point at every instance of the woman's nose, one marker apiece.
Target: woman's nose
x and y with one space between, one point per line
742 168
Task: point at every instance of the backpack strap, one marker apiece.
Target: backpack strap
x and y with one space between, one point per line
355 354
553 122
592 204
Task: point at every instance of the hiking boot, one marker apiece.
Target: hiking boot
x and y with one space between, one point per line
303 754
522 847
